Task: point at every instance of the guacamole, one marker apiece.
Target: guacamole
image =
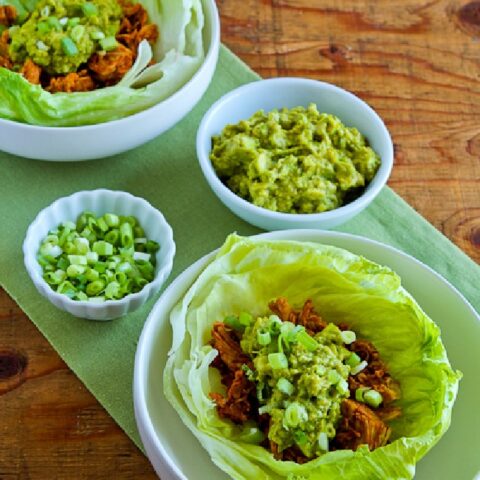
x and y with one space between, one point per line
60 35
303 395
294 161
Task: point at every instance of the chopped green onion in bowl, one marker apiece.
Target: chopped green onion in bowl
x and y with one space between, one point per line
85 260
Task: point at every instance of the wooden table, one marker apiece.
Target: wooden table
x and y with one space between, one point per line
417 62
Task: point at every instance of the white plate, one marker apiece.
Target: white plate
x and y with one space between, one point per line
176 454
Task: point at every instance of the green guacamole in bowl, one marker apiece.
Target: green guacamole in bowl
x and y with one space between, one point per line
294 160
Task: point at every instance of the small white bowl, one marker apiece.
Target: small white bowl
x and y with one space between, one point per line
100 202
66 144
243 102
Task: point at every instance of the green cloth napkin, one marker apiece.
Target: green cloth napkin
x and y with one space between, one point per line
165 172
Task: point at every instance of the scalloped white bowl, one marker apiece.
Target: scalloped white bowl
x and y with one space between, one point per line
99 202
288 92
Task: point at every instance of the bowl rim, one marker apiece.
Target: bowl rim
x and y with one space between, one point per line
164 270
185 279
214 19
371 191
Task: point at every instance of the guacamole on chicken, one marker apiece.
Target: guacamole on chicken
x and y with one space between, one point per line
303 396
294 161
61 35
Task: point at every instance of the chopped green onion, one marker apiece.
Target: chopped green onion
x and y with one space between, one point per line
55 278
353 360
77 259
286 328
294 415
245 319
95 287
82 245
89 9
103 248
108 43
292 336
66 288
333 377
92 258
73 250
145 257
72 22
50 250
123 267
43 27
81 296
112 290
126 235
75 270
263 338
140 240
232 321
373 398
342 387
274 324
277 360
140 232
97 35
151 246
45 11
77 32
91 275
323 442
55 24
303 338
285 386
358 368
300 437
100 267
264 408
69 48
360 392
112 236
111 219
348 336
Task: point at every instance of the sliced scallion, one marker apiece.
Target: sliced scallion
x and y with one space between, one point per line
108 43
307 341
68 46
285 386
263 337
358 368
373 398
348 336
277 360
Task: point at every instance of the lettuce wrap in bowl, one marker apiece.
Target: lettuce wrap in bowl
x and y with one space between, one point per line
168 76
346 289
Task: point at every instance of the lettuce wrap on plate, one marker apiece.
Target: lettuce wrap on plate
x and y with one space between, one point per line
156 73
345 289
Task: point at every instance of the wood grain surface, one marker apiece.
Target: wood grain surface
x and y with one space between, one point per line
417 62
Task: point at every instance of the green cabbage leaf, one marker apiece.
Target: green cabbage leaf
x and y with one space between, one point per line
178 53
244 276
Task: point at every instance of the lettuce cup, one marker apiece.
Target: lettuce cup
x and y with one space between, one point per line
356 302
79 62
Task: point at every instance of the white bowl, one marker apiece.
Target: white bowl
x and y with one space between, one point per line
100 202
176 454
109 138
243 102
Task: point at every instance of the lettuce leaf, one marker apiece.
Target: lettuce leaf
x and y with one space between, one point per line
344 287
179 52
